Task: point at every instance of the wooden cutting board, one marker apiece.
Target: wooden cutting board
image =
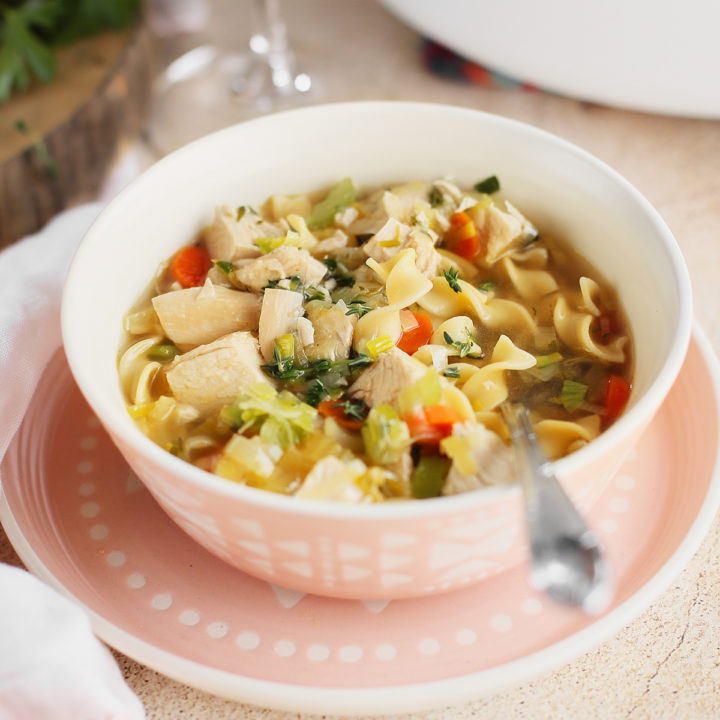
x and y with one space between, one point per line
58 140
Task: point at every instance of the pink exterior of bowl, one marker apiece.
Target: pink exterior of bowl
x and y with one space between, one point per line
384 556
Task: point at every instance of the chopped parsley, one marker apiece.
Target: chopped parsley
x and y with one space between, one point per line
451 275
489 185
287 283
436 196
339 273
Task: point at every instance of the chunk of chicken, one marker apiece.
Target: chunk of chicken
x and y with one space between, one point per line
382 382
394 237
333 479
212 375
228 238
495 461
199 315
278 316
499 232
285 261
333 330
330 245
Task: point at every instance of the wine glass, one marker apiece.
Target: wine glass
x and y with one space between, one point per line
205 87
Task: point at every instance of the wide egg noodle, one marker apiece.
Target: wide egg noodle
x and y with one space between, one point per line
404 283
560 437
573 328
503 315
487 388
530 284
591 296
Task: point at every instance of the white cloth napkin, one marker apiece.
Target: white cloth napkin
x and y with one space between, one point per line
52 667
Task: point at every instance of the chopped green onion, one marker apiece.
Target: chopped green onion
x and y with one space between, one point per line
163 351
451 275
339 197
489 185
429 475
572 394
379 345
546 360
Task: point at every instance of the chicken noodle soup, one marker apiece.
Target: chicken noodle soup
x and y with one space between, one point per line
358 346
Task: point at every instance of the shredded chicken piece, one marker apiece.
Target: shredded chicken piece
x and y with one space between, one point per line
382 382
285 261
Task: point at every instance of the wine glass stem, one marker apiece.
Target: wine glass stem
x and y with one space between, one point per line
269 42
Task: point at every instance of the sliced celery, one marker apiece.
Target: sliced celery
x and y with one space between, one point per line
379 345
339 197
573 394
385 435
423 393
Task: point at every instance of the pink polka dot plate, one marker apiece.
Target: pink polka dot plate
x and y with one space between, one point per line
80 520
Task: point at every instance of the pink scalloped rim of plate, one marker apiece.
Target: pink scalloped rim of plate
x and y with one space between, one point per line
83 522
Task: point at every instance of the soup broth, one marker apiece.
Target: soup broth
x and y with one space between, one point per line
358 346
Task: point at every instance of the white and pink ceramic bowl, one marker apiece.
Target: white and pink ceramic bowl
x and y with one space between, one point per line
396 549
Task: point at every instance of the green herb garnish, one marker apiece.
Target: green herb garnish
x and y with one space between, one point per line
451 275
358 307
488 186
354 409
487 286
463 347
338 272
451 372
436 196
317 392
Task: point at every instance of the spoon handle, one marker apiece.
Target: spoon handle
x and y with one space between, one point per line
567 562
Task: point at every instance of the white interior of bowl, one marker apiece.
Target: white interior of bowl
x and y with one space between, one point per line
554 183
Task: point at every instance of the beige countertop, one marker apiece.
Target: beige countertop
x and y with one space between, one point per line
666 663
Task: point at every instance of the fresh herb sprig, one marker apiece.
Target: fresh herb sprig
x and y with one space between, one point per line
339 273
31 30
451 275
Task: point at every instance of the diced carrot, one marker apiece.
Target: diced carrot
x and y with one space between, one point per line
428 426
617 394
190 266
417 331
462 238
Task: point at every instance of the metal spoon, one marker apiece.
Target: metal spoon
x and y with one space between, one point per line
566 560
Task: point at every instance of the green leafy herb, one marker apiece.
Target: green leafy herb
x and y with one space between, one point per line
463 347
163 351
30 30
358 307
354 409
451 372
436 196
317 392
339 273
242 209
287 283
283 367
489 185
487 286
224 265
313 293
451 275
572 394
